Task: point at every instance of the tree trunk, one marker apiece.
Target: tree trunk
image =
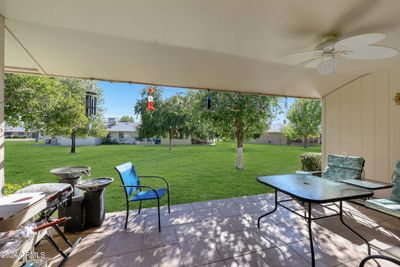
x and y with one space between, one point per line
239 148
36 136
73 137
305 142
170 139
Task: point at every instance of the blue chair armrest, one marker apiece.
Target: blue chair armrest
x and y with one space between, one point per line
143 186
157 177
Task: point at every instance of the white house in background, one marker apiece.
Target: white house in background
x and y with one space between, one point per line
16 132
123 132
273 135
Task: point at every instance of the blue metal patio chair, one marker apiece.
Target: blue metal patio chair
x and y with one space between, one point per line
133 189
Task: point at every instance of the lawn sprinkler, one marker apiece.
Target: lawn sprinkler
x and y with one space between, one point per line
150 99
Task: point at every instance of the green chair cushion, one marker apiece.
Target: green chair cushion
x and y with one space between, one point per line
388 206
396 183
341 167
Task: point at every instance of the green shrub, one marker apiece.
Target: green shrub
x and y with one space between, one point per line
11 188
311 161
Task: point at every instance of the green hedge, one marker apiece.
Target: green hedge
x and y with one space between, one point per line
311 161
11 188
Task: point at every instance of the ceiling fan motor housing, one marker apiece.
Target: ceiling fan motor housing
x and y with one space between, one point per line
328 45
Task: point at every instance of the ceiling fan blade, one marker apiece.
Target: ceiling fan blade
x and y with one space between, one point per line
371 52
311 53
302 64
359 40
305 63
301 56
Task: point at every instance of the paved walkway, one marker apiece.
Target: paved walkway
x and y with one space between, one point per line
224 233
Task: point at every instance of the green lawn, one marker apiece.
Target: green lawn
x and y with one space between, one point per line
195 173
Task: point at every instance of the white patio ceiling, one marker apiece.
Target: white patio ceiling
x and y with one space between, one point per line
212 44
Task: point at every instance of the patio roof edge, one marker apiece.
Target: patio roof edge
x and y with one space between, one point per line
155 84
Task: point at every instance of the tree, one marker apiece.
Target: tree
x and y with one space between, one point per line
150 120
198 124
174 119
94 125
304 120
240 116
126 118
53 106
42 104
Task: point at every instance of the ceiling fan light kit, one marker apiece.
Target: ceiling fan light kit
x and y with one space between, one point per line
327 64
359 47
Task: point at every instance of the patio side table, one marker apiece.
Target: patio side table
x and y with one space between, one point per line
313 190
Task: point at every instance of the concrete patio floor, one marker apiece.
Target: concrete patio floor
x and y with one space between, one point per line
224 233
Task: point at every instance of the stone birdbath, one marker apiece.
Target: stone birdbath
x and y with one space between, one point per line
94 184
71 175
94 199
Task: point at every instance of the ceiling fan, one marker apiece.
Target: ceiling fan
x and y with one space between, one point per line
358 47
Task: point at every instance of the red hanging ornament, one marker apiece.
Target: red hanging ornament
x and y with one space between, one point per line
150 100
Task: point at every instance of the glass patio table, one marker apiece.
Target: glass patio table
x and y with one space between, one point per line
313 190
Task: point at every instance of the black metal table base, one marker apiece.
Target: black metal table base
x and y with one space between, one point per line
59 250
308 217
46 215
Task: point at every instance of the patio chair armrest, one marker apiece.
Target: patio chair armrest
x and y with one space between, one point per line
382 257
316 173
157 177
143 186
319 173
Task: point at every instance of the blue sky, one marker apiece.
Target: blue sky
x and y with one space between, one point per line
120 98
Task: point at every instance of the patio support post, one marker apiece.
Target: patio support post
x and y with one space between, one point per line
1 104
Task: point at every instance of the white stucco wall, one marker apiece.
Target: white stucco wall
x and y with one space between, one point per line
271 138
174 141
361 118
88 141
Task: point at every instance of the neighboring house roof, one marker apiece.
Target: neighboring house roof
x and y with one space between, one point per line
276 127
14 129
123 127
